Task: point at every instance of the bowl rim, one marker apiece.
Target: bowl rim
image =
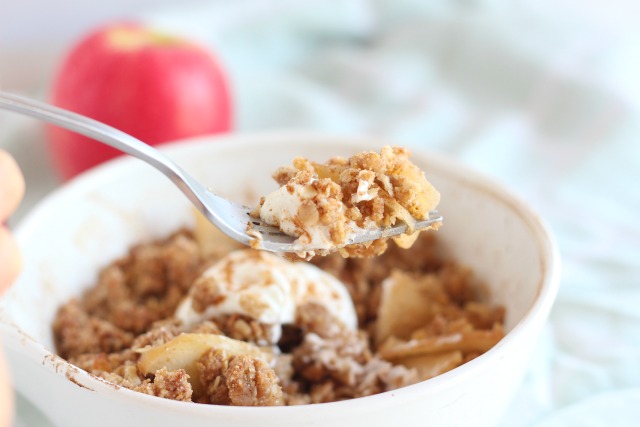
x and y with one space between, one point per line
547 287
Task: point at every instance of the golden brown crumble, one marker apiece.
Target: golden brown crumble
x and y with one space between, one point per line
232 359
168 384
332 200
252 383
243 328
146 286
237 380
78 333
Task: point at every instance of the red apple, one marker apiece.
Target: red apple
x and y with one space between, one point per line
153 86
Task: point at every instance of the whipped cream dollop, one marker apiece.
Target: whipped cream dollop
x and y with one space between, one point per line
295 209
266 288
364 192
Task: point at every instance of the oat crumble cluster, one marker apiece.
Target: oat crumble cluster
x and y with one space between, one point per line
323 205
415 314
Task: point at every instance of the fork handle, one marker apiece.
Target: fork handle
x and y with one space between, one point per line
88 127
107 135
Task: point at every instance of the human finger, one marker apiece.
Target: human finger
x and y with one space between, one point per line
11 185
10 260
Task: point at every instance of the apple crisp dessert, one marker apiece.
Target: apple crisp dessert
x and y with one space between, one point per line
324 205
193 317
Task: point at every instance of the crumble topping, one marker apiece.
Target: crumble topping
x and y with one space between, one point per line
238 380
168 384
325 205
346 327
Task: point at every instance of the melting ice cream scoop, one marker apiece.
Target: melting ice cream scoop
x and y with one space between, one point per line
266 288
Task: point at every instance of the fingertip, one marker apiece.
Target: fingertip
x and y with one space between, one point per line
11 260
12 185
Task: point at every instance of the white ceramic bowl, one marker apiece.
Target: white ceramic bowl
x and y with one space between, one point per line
95 218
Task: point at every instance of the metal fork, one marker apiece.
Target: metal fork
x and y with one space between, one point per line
231 218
